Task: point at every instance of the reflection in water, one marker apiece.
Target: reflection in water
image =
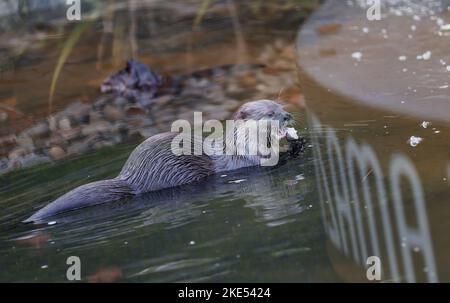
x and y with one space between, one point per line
354 195
378 97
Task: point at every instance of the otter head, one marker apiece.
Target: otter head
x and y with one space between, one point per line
265 110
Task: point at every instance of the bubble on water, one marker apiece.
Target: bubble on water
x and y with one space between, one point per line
237 181
414 141
402 58
448 68
191 242
425 56
357 56
413 27
425 124
365 30
299 177
44 266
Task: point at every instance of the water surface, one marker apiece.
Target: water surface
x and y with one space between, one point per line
251 225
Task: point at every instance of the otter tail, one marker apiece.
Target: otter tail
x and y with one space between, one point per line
86 195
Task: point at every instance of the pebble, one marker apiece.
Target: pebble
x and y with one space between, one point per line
7 141
40 130
248 80
33 159
52 123
95 116
25 141
70 134
162 100
289 53
3 116
135 111
17 153
233 88
100 144
79 111
78 148
96 127
113 113
65 124
120 102
57 153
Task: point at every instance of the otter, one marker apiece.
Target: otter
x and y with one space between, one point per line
152 166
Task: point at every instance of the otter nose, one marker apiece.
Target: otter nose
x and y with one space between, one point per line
287 117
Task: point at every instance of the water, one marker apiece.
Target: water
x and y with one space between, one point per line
266 227
379 117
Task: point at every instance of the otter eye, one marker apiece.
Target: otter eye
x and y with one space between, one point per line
270 114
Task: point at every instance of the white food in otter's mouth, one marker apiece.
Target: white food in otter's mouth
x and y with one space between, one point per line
288 132
291 133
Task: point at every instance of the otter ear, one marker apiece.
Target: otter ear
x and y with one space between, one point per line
241 115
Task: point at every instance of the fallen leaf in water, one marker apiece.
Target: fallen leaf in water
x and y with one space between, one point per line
37 240
292 95
106 275
327 52
12 101
329 28
9 105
